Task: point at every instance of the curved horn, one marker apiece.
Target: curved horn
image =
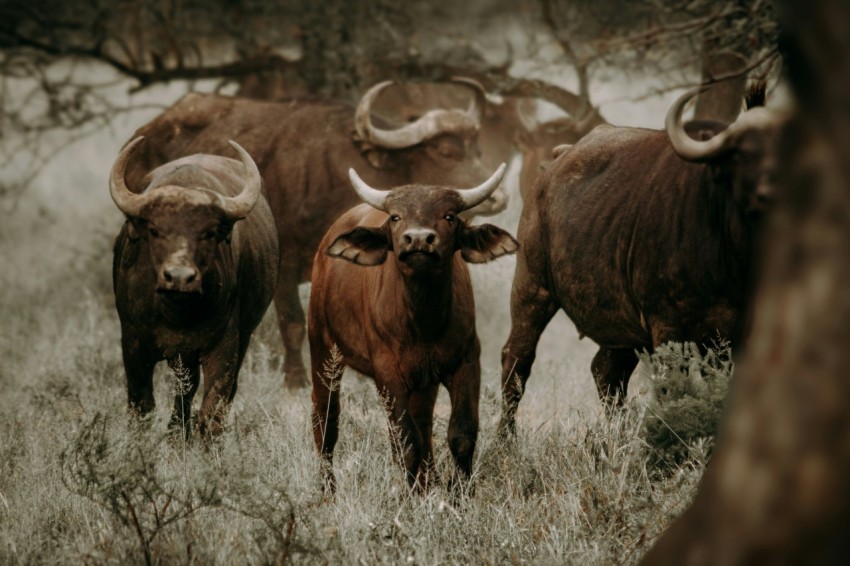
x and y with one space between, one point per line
242 204
474 197
126 200
481 98
372 197
432 123
362 116
686 147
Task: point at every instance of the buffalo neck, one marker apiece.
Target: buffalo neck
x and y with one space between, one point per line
738 231
179 312
428 300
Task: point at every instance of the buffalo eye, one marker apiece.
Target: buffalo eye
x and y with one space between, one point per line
208 235
449 218
153 232
449 148
395 218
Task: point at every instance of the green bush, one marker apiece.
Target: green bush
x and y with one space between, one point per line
689 390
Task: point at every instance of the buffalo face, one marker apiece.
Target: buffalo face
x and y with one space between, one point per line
424 228
183 237
742 155
184 225
753 171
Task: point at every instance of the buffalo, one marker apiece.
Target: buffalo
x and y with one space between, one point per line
641 237
392 296
194 270
304 148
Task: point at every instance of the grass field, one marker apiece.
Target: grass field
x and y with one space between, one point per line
79 484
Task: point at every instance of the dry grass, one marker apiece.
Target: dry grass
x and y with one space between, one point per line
79 484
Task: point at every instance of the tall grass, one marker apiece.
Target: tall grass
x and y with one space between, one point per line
80 484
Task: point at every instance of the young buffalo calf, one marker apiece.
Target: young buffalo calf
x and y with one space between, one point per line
408 322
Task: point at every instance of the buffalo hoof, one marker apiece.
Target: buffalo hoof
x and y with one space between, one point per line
295 379
139 421
460 488
180 428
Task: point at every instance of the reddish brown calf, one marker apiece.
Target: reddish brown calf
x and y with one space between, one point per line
408 321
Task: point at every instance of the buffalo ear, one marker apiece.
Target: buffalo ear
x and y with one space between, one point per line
133 229
225 230
363 246
480 244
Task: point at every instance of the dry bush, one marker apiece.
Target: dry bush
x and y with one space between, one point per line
689 388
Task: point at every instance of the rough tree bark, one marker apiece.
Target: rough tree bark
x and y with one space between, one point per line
723 101
778 487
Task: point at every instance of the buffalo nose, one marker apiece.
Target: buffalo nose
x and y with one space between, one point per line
180 276
419 237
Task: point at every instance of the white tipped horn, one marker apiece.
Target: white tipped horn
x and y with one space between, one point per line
372 197
686 147
126 200
477 195
242 204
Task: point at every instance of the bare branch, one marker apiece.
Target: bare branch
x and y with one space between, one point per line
770 57
579 64
649 37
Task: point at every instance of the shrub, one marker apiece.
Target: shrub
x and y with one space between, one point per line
155 493
689 390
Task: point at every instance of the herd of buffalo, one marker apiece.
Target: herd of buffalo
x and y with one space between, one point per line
641 236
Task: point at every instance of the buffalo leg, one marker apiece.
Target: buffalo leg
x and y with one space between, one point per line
139 362
611 371
405 437
187 376
221 368
422 412
325 413
532 307
290 316
464 389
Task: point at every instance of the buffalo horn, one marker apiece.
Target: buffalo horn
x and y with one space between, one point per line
126 200
431 124
477 195
241 205
372 197
479 100
686 147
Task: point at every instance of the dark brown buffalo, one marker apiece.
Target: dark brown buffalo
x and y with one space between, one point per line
641 237
391 291
194 270
508 124
304 149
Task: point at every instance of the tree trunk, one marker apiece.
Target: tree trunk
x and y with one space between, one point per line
723 101
778 487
